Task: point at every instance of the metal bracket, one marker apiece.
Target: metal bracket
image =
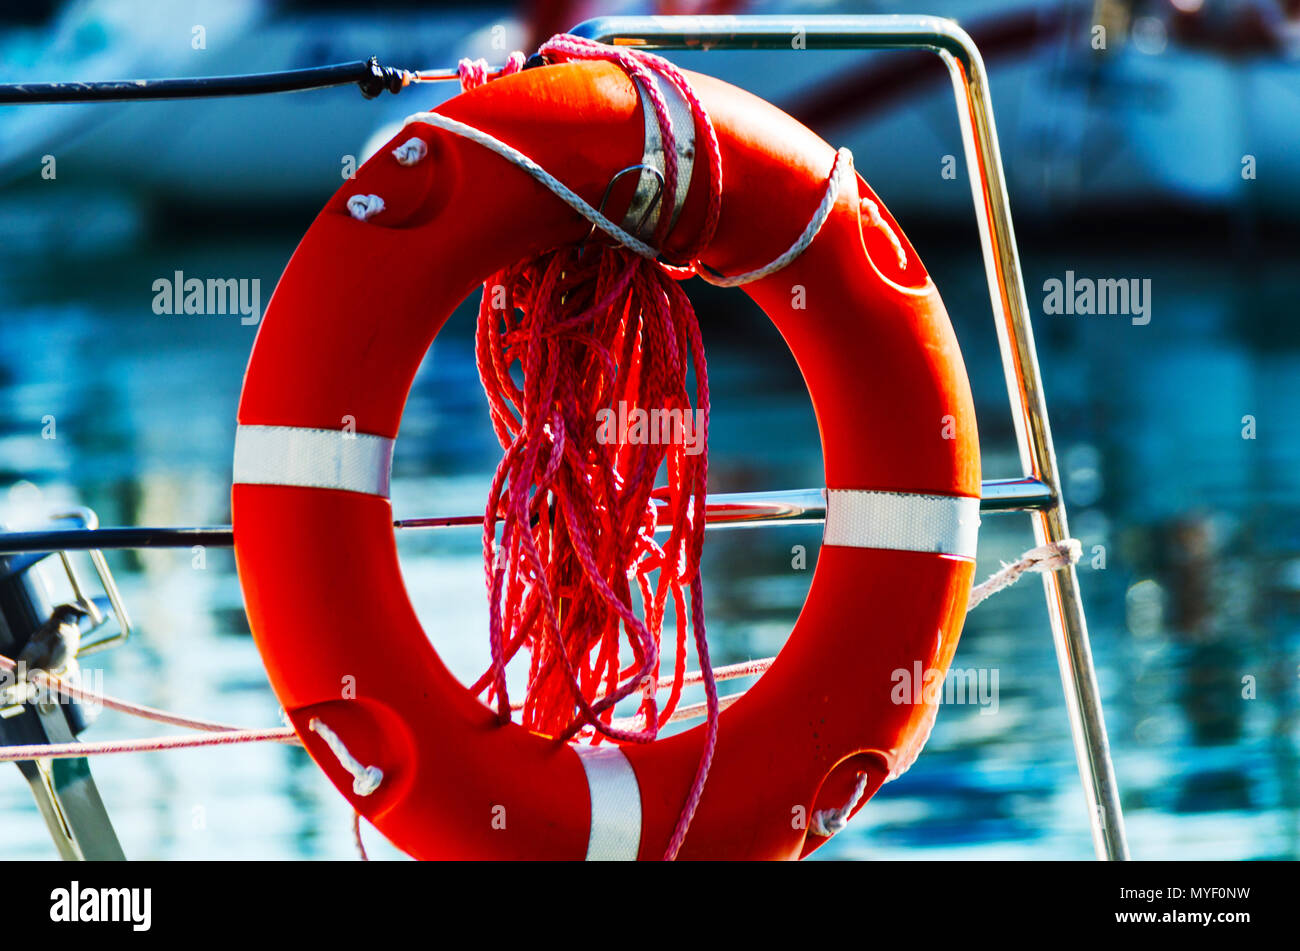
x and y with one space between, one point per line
64 789
1006 288
86 519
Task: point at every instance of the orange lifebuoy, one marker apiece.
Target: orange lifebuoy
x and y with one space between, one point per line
355 312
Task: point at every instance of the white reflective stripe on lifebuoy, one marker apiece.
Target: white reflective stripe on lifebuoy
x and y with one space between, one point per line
615 804
313 458
900 521
648 201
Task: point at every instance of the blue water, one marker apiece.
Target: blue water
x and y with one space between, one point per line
1200 531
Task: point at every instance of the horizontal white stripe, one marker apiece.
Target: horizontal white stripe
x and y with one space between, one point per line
615 804
899 521
313 458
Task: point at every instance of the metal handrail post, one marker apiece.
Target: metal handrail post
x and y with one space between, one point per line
1007 292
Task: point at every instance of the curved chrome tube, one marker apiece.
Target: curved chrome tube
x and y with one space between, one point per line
1006 286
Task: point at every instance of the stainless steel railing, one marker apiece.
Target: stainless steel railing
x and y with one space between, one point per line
1007 292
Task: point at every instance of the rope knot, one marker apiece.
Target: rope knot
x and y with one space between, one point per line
1047 557
1056 554
476 72
365 207
411 151
827 822
365 779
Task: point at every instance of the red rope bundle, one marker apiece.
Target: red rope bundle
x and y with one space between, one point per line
577 509
599 336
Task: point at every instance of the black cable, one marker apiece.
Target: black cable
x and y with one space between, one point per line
85 539
369 75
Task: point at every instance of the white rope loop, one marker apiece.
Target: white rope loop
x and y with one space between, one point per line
541 175
841 173
827 822
873 214
365 779
363 207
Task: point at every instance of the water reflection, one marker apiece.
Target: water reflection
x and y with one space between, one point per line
1191 538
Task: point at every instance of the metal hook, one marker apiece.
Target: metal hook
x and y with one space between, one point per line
650 207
